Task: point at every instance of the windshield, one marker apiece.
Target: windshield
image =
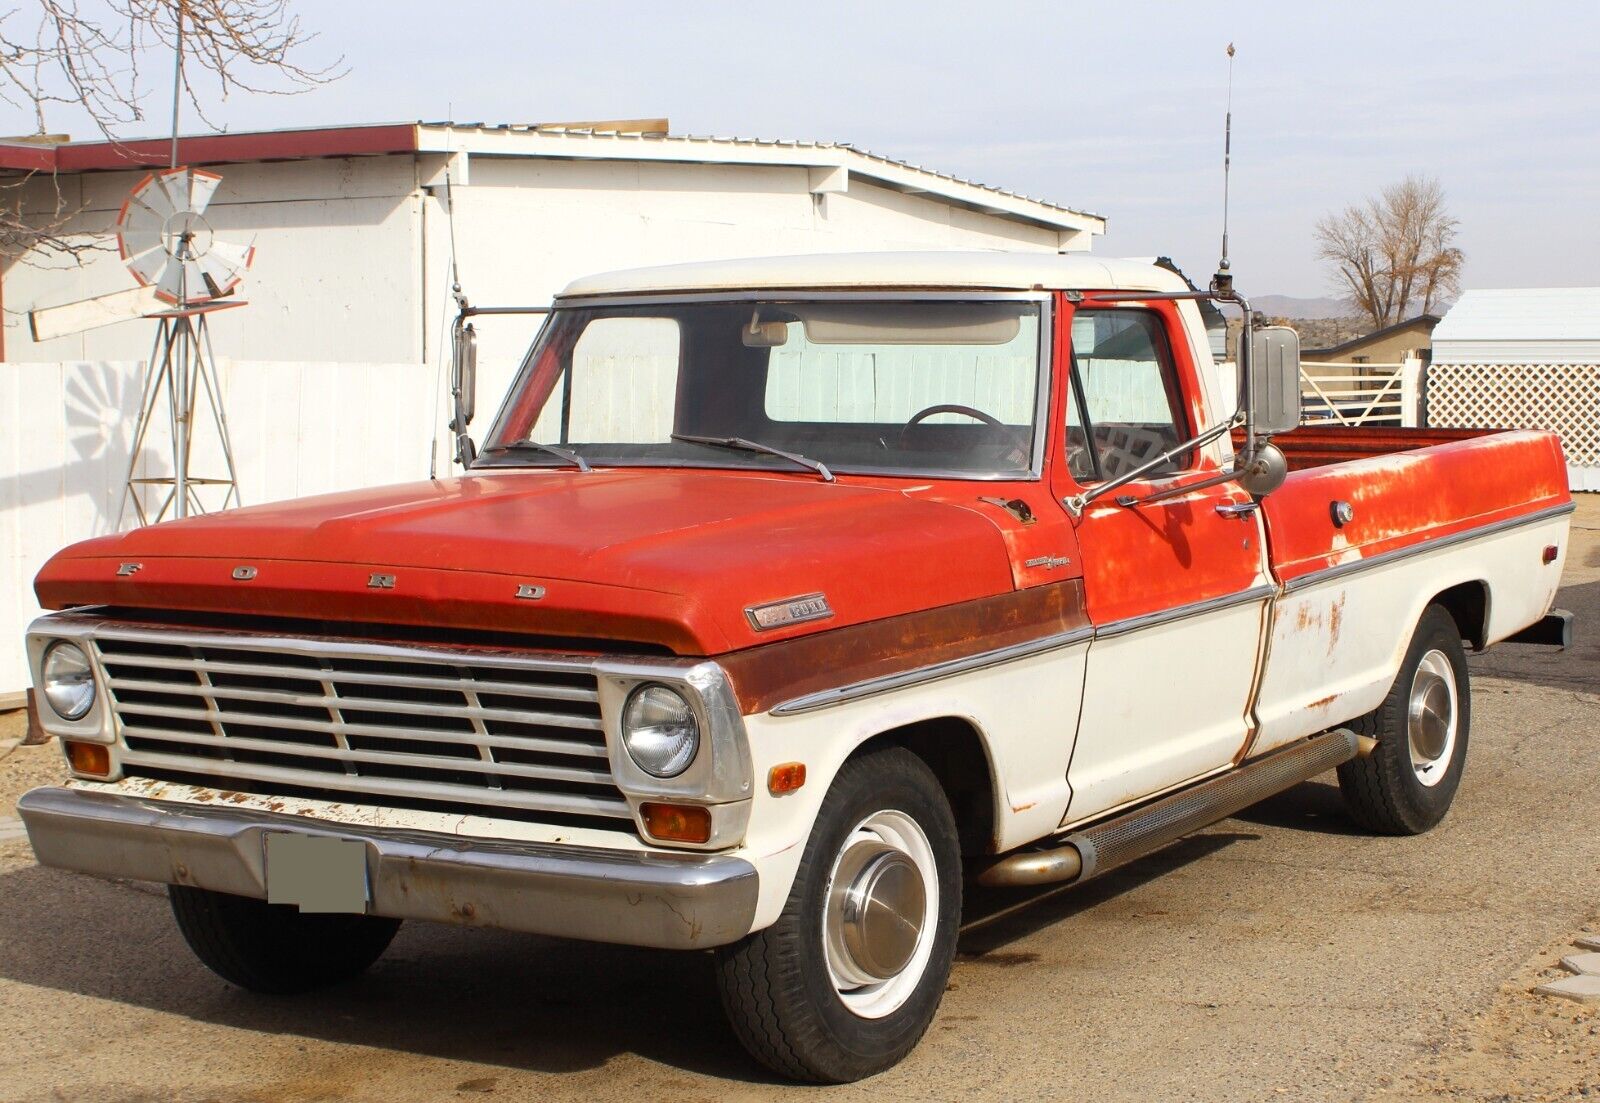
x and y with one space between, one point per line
869 386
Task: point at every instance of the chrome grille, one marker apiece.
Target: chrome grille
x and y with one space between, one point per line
475 734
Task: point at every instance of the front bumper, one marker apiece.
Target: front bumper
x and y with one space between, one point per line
689 901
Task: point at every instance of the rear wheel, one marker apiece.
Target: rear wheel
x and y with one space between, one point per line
275 947
848 979
1406 785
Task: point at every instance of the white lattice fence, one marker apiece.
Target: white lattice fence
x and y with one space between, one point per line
1564 398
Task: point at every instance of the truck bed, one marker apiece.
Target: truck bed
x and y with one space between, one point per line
1406 487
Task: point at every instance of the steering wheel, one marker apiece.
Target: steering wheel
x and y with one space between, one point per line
969 411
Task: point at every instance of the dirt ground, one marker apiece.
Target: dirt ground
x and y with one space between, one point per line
1278 955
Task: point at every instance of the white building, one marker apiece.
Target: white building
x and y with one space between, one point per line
331 371
1526 358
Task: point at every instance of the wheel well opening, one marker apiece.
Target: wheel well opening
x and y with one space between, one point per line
953 750
1468 603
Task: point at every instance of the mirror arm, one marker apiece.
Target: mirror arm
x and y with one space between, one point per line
1077 502
1128 501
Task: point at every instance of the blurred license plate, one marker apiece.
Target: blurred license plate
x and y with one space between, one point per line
317 873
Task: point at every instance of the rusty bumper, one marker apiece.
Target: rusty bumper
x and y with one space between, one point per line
691 901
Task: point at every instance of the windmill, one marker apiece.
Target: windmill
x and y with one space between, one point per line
185 274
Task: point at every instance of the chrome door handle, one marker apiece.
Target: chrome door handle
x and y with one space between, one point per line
1238 509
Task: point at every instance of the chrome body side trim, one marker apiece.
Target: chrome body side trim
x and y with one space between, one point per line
1327 574
686 901
1116 628
874 686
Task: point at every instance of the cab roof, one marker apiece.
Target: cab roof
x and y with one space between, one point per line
944 271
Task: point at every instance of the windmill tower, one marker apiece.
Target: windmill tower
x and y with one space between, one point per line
185 274
168 245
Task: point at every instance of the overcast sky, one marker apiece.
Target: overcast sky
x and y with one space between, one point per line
1115 108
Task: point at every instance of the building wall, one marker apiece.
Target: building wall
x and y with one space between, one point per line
352 261
1389 349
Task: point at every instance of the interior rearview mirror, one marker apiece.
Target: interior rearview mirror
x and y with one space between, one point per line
1274 380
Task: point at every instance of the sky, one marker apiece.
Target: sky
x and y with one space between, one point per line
1114 108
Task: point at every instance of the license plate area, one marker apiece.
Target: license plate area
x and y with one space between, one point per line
317 873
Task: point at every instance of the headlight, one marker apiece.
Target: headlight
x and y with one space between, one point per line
660 731
67 680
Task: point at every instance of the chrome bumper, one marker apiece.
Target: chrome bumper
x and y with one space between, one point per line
688 902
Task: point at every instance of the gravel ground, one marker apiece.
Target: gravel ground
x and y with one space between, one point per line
1278 955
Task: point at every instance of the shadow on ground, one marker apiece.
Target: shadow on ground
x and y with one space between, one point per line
1577 668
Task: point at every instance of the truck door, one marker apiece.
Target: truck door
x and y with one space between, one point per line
1176 587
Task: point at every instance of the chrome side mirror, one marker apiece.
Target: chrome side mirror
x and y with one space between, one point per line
1274 369
464 389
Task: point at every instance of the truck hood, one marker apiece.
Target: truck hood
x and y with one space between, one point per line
669 558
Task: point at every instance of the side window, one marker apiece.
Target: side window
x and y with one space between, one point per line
621 388
1126 406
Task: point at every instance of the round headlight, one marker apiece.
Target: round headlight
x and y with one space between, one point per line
660 731
67 680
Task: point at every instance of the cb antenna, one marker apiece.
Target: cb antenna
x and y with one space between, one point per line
1222 282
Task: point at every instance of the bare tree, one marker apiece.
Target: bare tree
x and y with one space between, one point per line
101 58
1394 256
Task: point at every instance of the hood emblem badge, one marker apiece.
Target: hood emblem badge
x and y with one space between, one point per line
129 569
791 610
376 581
243 574
527 591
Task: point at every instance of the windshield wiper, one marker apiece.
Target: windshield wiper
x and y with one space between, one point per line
743 445
534 446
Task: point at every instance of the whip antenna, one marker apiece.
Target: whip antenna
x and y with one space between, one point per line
1222 282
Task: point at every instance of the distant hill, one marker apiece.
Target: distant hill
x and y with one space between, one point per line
1288 306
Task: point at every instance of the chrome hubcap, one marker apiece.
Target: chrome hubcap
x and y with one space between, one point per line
879 913
1431 717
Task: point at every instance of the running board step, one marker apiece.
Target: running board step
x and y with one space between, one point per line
1117 841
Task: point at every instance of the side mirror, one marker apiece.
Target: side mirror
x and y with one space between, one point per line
1274 381
463 390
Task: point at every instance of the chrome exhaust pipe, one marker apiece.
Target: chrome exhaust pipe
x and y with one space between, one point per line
1117 841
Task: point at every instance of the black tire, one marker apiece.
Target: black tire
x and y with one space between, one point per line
273 947
1383 791
775 984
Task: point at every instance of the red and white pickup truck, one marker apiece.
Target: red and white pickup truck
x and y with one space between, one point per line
784 597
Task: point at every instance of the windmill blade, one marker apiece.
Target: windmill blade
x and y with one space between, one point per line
158 197
137 240
148 268
170 285
202 186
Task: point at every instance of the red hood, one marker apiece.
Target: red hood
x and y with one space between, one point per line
652 556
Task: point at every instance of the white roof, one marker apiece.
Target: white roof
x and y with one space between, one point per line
1521 325
953 270
832 163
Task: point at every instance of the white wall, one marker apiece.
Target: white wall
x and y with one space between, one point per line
298 428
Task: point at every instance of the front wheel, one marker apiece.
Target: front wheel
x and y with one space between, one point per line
1406 785
275 947
847 980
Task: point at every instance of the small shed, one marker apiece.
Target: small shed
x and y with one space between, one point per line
1389 345
1526 357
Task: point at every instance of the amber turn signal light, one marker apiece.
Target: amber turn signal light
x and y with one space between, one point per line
93 759
677 823
786 777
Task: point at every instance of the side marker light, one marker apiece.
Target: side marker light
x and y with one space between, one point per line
786 777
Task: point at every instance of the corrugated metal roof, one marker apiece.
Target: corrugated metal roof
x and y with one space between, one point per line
1521 325
1523 313
780 143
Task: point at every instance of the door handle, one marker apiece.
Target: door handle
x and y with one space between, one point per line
1238 509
